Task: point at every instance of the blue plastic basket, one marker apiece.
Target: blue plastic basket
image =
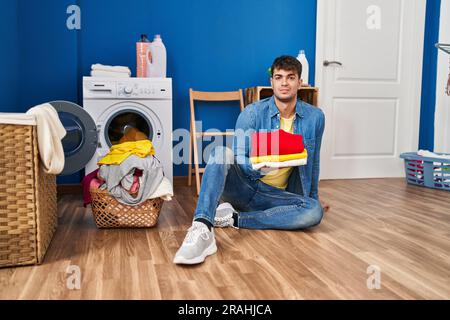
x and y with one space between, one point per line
427 171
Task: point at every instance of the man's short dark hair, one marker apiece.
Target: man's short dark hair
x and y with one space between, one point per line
287 63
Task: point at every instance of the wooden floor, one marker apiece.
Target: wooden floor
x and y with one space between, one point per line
403 230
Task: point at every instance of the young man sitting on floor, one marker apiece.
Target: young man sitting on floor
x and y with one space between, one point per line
284 199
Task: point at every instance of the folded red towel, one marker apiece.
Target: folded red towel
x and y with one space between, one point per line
277 142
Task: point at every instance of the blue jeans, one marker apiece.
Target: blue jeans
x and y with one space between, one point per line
260 205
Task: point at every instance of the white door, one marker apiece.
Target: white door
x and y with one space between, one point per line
442 114
372 101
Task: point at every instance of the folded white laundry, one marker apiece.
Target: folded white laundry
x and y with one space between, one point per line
102 67
108 74
426 153
50 132
282 164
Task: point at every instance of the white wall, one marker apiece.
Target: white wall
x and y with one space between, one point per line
442 116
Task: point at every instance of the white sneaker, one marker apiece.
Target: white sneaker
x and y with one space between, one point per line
197 245
224 216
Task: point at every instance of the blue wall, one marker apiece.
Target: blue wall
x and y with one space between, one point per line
9 56
48 53
211 44
428 102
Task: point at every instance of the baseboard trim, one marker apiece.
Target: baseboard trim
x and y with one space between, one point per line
69 188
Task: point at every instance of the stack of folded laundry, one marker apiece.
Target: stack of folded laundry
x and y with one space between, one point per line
277 149
130 172
104 71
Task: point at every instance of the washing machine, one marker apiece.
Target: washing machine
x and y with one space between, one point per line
110 106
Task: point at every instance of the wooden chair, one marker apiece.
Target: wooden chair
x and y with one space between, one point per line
194 135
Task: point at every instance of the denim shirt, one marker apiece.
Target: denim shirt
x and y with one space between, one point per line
264 116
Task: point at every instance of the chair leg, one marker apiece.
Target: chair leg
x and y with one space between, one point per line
190 158
198 182
196 164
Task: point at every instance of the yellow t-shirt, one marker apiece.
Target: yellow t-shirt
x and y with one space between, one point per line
279 178
119 152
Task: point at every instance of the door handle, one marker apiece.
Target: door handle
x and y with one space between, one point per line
326 63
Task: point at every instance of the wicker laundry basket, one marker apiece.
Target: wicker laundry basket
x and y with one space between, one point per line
110 213
28 215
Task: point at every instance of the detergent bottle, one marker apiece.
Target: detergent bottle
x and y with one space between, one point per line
142 51
157 64
305 67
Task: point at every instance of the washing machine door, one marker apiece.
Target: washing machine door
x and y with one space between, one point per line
80 142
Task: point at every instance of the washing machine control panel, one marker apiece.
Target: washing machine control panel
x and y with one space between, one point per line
127 88
142 90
